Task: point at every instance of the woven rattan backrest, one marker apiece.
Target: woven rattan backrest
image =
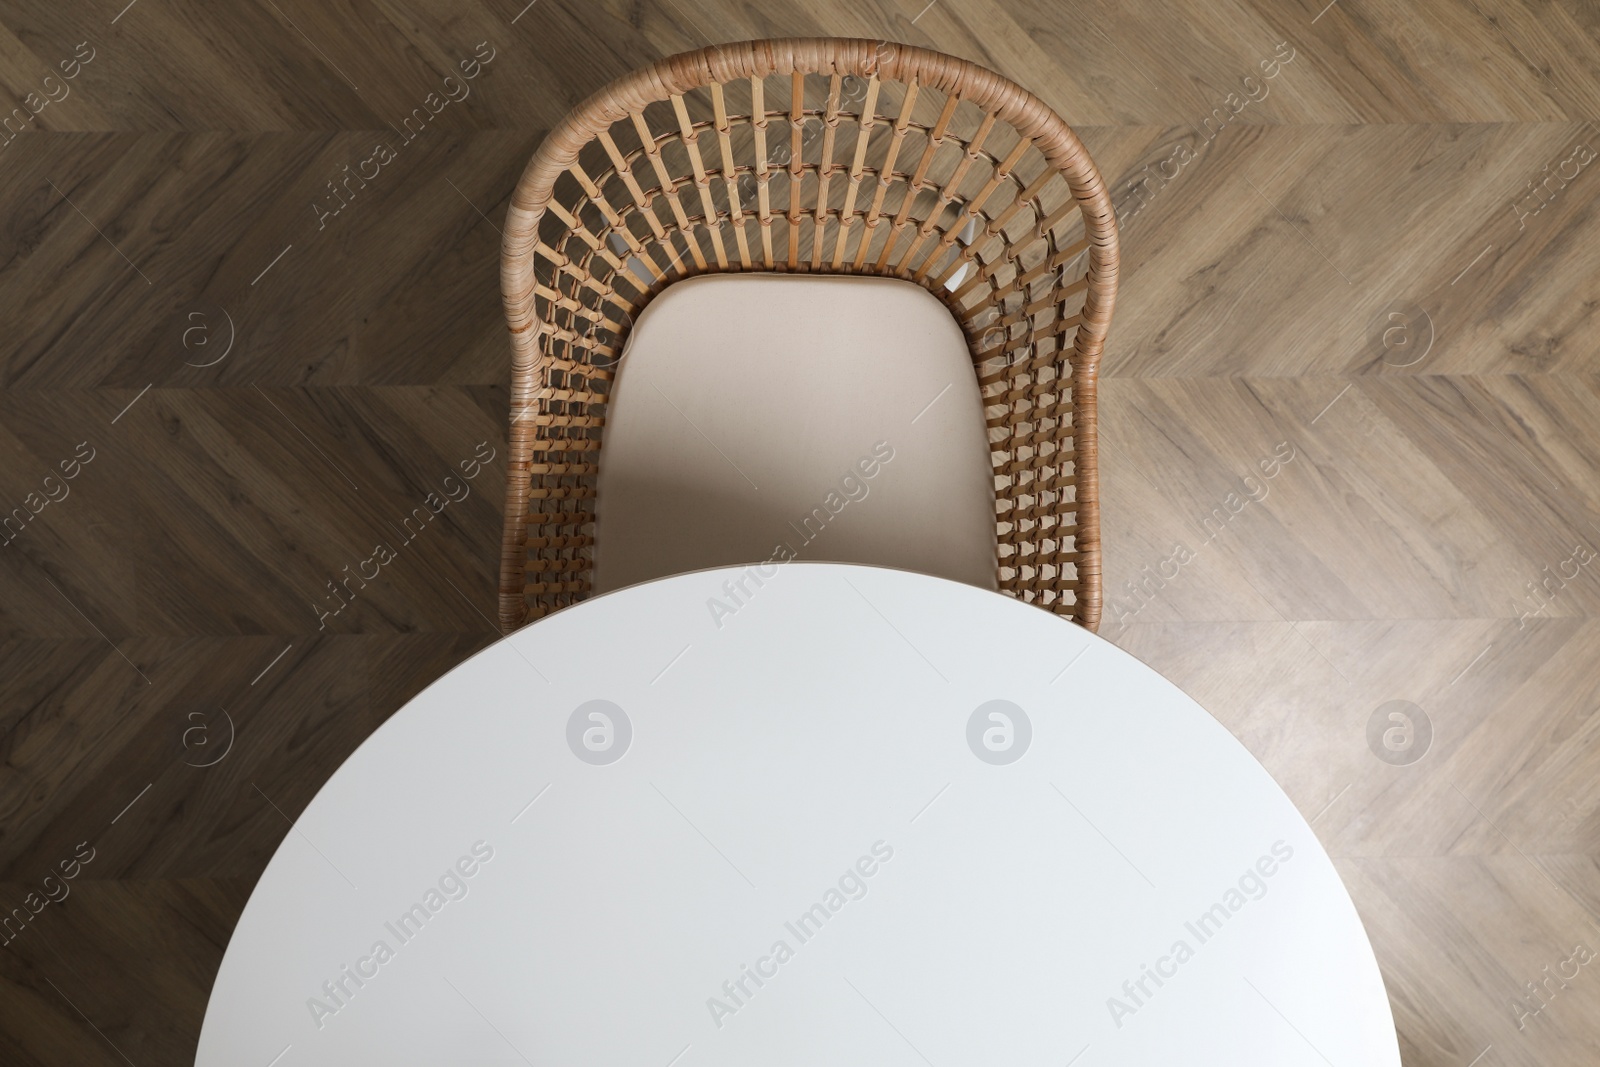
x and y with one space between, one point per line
827 156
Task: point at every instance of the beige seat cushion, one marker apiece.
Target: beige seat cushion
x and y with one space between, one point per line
767 416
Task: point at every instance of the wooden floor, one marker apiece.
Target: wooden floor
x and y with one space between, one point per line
1383 266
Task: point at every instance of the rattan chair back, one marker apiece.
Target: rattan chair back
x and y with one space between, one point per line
825 156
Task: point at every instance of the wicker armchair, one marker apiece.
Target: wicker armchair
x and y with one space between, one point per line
895 161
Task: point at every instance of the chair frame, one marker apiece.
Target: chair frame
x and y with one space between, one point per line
580 262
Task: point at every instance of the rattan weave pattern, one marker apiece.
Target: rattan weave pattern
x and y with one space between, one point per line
829 156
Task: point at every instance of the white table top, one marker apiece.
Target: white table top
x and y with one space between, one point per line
803 840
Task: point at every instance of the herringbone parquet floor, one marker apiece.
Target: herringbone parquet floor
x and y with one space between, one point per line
1373 272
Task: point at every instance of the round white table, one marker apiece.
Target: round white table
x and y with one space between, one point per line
800 815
